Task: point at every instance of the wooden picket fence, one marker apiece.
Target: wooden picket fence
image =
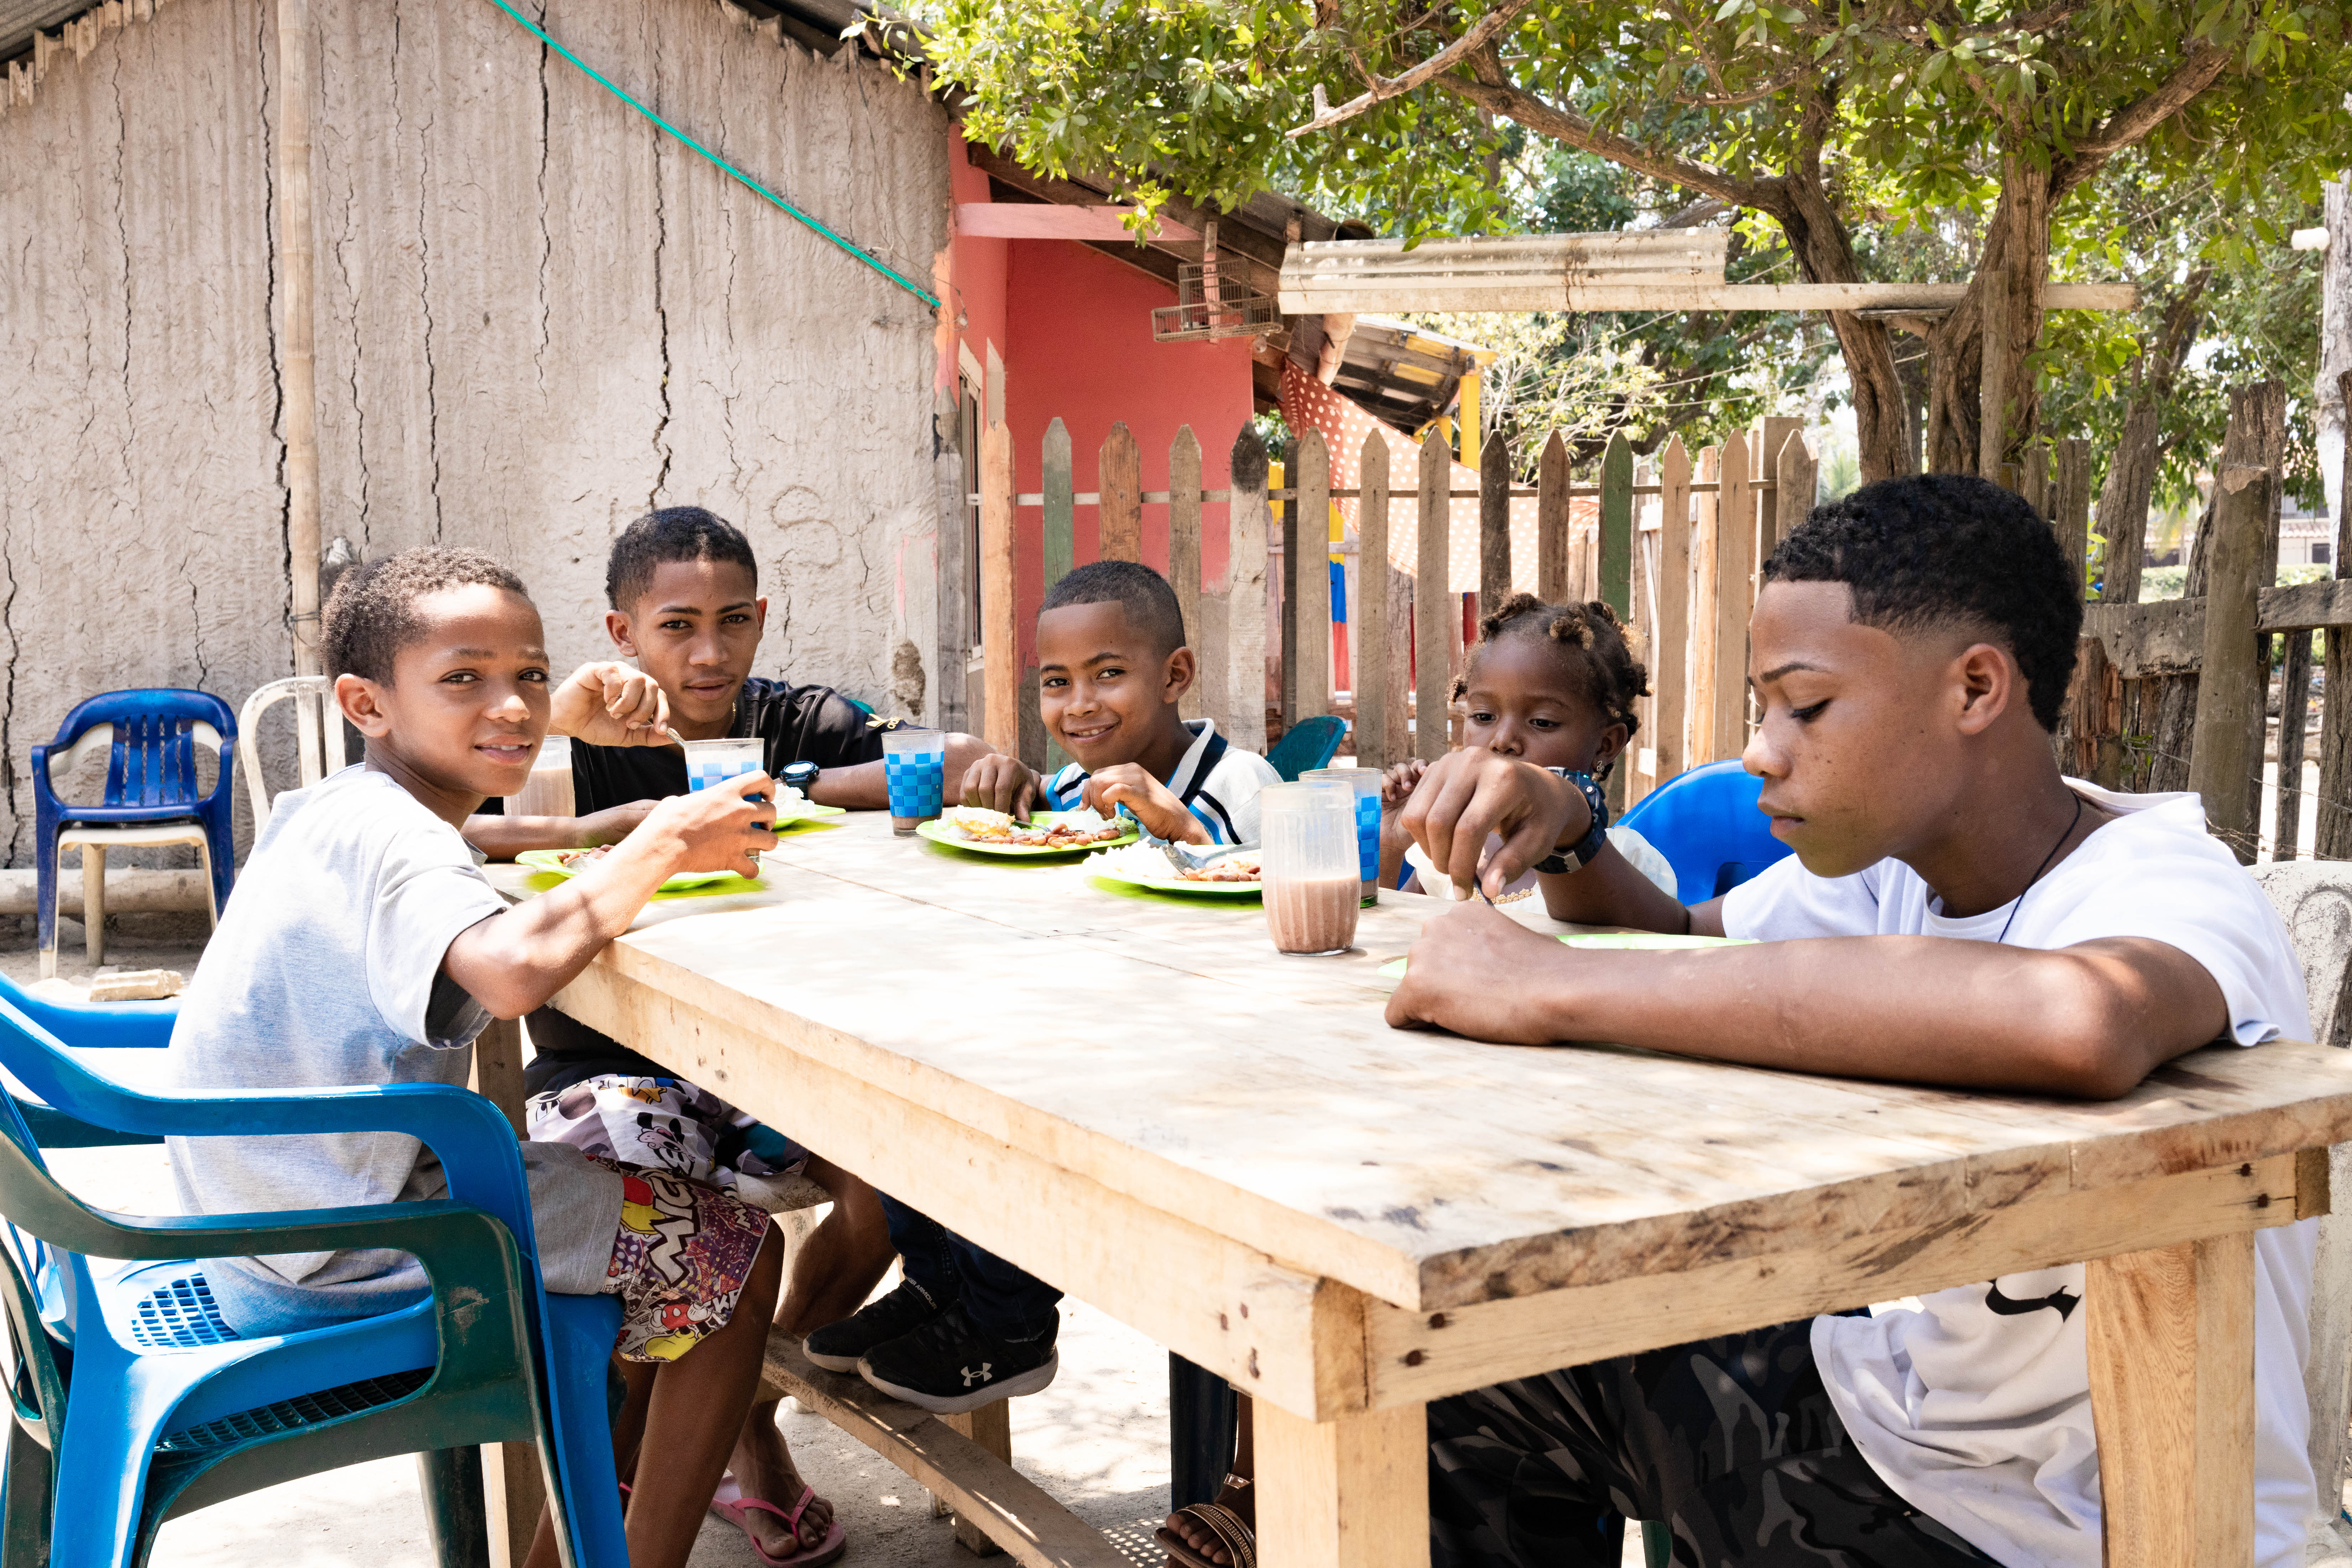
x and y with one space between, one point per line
2165 695
2173 695
1674 552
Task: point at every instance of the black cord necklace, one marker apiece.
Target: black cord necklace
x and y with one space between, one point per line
2077 822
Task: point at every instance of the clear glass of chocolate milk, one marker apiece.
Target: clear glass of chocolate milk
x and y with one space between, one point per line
1308 849
548 791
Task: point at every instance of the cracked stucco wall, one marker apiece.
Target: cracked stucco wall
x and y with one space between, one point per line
536 317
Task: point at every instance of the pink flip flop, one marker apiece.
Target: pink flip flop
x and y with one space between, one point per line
729 1504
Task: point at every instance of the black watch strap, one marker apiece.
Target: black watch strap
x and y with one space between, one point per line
1578 855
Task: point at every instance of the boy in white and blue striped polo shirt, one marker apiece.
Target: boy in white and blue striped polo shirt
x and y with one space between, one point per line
966 1328
1112 666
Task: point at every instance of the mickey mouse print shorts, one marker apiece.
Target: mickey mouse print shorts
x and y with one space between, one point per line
680 1261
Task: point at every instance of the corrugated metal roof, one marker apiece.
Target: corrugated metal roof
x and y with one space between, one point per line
20 19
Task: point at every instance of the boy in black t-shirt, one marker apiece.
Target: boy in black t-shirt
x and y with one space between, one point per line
685 605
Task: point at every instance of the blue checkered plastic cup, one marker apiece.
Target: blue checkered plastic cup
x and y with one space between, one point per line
711 763
1366 784
915 763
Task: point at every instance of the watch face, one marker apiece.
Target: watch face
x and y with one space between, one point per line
798 774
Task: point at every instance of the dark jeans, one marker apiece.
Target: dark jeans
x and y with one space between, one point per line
998 1298
1732 1442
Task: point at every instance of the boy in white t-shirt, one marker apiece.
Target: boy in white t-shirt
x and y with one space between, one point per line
1974 920
365 947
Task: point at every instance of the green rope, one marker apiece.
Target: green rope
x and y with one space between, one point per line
925 295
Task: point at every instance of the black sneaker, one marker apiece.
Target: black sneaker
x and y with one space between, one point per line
947 1366
838 1347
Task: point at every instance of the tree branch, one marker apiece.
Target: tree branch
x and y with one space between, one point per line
1452 55
1547 118
2195 73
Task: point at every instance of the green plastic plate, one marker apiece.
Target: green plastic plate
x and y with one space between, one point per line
938 831
552 862
1184 886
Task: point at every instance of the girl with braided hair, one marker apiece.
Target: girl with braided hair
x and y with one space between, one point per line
1550 684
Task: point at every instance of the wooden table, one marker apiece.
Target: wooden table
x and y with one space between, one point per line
1137 1100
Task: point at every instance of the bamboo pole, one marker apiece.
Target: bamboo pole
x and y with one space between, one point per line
297 330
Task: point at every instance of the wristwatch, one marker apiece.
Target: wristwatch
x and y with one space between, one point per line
1578 855
798 776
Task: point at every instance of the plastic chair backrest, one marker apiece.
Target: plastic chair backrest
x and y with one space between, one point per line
151 739
1310 744
317 734
1705 824
471 1137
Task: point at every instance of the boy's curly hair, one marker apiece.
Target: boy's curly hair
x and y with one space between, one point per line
1949 550
372 615
1590 637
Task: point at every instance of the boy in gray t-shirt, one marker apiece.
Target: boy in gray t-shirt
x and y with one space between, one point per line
364 947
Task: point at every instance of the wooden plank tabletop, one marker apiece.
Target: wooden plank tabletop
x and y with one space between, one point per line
1159 1046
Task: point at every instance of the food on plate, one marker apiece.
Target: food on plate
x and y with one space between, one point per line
1231 868
580 859
1149 863
1071 831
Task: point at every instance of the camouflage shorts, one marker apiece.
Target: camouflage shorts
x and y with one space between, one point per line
1731 1442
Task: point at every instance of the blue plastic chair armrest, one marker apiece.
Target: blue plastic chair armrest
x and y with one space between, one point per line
104 1025
472 1137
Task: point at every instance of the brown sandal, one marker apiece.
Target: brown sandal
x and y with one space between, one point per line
1232 1531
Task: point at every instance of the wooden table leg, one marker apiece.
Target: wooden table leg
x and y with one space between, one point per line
2171 1341
513 1489
513 1492
991 1426
1351 1493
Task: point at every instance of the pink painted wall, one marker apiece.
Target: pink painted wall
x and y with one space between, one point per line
1072 327
1082 351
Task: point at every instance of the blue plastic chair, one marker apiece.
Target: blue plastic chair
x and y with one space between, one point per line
1705 824
1308 744
133 1401
150 738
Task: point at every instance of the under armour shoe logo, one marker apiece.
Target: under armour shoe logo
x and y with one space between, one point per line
970 1377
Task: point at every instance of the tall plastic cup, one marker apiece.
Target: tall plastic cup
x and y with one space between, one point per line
1308 860
548 791
914 764
711 763
1364 783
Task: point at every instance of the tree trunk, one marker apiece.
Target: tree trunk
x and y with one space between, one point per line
1824 253
2131 472
2015 258
2122 503
2329 411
